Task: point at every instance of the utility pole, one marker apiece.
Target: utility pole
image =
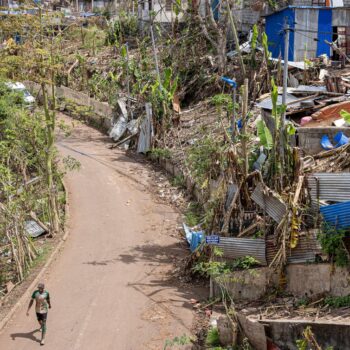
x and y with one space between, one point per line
285 71
284 97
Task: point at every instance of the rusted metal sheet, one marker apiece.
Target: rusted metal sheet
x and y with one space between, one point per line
234 248
269 202
307 250
329 187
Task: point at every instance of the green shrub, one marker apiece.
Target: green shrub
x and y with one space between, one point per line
212 337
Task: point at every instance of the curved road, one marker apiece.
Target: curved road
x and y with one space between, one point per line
111 285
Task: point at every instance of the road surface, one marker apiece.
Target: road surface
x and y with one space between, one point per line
111 285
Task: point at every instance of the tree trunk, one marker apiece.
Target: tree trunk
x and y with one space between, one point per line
50 129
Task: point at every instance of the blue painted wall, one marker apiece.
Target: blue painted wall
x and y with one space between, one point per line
274 30
324 32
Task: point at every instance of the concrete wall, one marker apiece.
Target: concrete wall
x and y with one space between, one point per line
309 139
247 285
303 280
285 333
102 112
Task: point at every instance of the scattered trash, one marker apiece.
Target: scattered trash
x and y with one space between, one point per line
193 237
118 128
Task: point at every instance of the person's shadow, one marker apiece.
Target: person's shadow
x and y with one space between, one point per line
29 335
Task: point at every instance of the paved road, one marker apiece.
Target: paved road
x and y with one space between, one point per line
110 286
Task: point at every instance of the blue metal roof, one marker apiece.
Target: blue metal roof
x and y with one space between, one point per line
337 215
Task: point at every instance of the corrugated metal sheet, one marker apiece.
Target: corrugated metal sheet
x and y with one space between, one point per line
273 206
329 187
234 248
267 103
337 215
305 45
340 17
232 189
33 229
146 131
306 251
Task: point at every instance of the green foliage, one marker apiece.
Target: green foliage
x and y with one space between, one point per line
290 128
332 244
222 268
212 268
193 214
302 344
253 44
254 37
162 93
265 44
23 156
337 302
302 302
178 181
213 337
206 159
223 101
182 340
272 3
345 115
160 153
264 135
246 262
125 26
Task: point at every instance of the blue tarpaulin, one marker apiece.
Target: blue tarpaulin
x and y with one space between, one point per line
194 238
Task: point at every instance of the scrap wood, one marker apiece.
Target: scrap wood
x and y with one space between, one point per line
331 152
40 223
76 62
303 99
229 211
251 227
122 141
337 50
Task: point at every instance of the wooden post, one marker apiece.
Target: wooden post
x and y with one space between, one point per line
244 125
235 34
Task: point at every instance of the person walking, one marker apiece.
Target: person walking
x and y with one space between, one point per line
42 304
